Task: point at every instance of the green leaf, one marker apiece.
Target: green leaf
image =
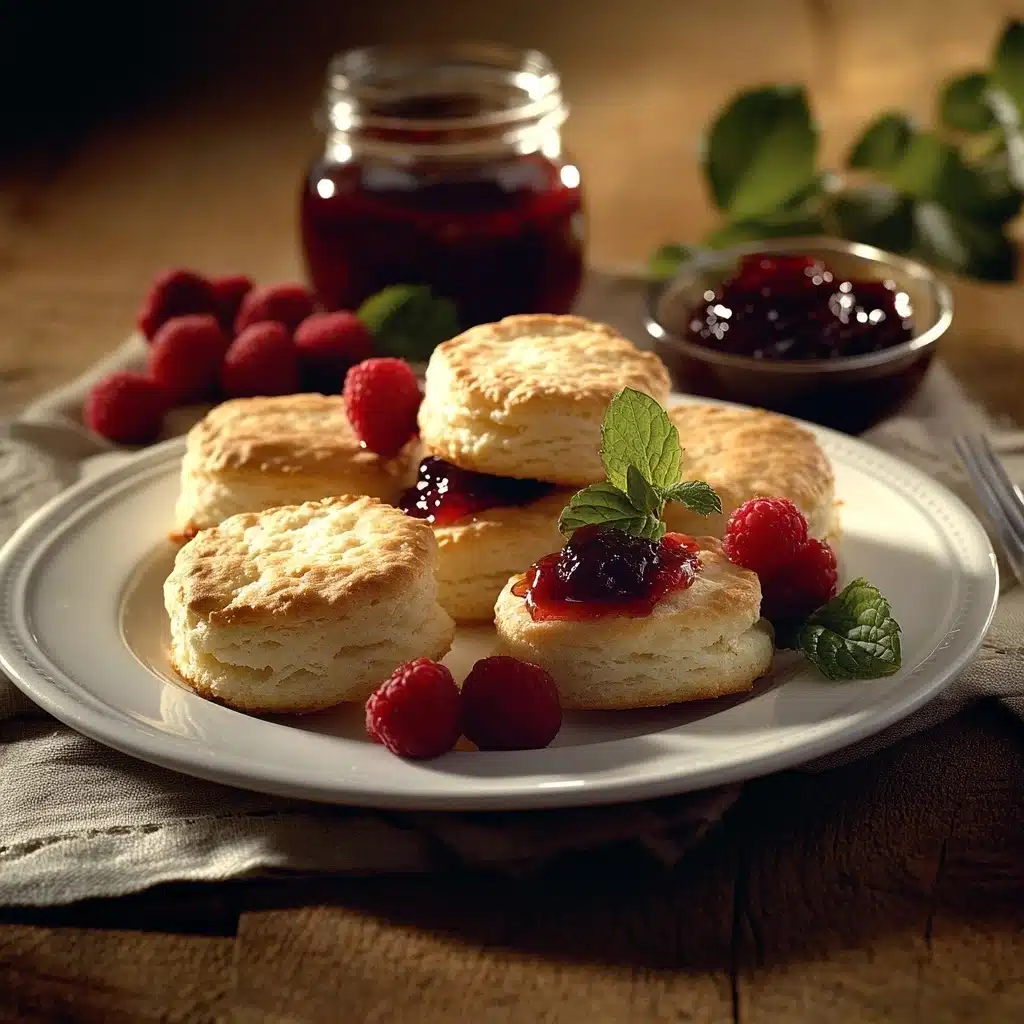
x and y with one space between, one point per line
782 224
875 214
638 432
954 242
761 151
696 495
642 494
1008 64
408 321
933 171
883 143
605 505
963 105
667 259
854 636
920 170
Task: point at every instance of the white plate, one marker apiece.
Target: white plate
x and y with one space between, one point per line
82 632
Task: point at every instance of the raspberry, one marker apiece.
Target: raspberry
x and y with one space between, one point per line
329 344
287 304
508 704
186 356
175 293
802 586
416 712
261 361
126 407
382 399
764 534
229 292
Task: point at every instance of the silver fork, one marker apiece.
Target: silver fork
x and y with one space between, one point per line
1000 496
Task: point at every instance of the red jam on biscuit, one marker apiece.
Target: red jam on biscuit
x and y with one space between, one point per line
444 493
606 572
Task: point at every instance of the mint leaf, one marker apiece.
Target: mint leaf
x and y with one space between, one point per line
408 321
642 495
696 495
876 215
883 143
605 505
854 636
963 105
761 151
638 432
667 259
953 242
1008 63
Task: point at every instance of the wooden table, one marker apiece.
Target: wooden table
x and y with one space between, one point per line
890 890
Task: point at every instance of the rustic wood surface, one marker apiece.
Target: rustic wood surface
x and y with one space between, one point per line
890 890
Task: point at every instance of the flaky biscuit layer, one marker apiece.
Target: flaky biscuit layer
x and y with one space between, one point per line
526 397
304 607
705 641
250 454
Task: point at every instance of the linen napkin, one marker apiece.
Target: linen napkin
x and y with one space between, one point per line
78 820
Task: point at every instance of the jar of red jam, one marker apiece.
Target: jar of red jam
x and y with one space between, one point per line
444 166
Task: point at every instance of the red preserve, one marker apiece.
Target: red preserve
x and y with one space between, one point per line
444 166
784 306
603 572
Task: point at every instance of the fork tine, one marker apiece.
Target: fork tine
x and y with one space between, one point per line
1006 490
1011 541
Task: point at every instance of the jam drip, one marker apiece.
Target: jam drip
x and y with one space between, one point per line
794 307
444 493
605 572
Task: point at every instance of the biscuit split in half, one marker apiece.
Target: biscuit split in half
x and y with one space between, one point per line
705 641
522 398
304 607
251 454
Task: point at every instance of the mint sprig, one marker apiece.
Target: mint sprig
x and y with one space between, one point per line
854 636
408 321
642 458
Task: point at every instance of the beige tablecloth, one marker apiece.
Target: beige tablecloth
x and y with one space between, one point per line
78 820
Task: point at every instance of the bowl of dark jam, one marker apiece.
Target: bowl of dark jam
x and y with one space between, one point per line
834 332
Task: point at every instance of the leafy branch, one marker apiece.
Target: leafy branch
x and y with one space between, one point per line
944 195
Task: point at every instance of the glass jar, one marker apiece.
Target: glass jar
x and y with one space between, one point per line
444 167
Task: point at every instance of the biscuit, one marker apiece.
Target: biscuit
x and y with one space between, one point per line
251 454
477 554
304 607
748 453
702 642
526 397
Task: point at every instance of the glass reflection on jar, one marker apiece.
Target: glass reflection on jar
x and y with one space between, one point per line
445 167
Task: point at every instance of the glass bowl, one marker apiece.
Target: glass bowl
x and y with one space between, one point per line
849 393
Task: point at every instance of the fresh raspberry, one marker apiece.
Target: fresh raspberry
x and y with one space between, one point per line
802 586
508 704
764 534
382 399
186 357
261 361
329 344
175 293
230 291
287 304
126 407
416 712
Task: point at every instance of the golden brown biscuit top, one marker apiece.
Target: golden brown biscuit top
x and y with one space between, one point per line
335 557
305 433
525 359
745 453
